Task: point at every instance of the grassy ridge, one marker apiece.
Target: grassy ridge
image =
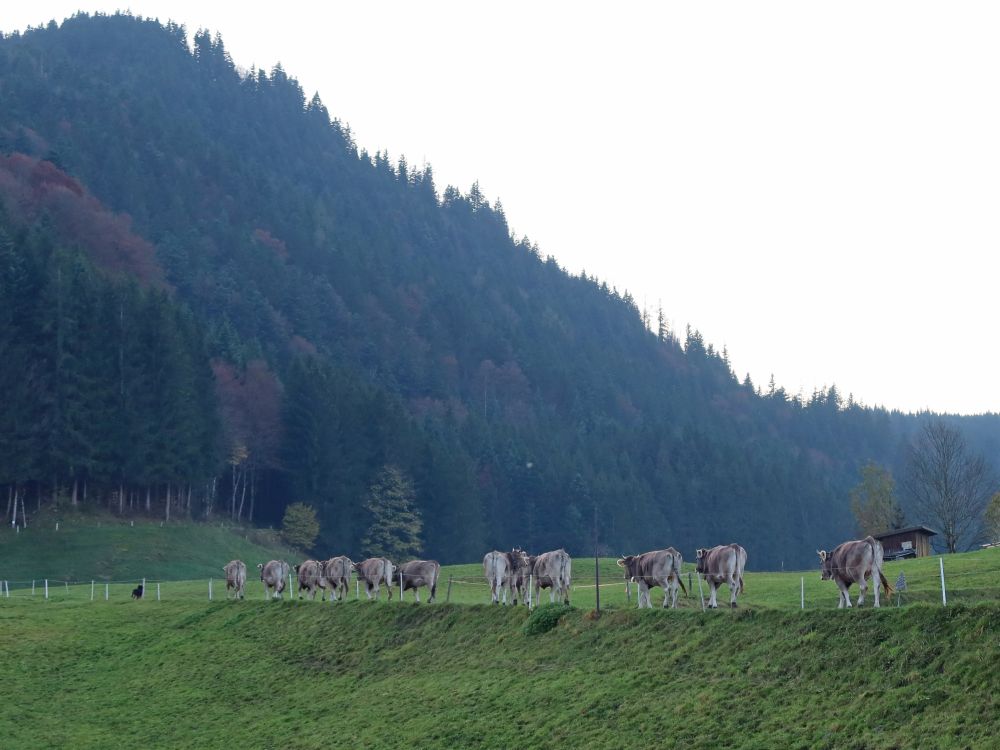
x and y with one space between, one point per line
296 675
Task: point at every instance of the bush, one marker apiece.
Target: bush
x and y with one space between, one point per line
544 618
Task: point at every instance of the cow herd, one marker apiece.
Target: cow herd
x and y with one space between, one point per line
516 575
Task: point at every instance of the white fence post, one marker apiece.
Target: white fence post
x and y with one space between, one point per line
6 588
157 592
210 590
531 591
802 593
289 586
106 587
91 591
701 593
46 588
357 589
944 594
143 589
32 588
400 587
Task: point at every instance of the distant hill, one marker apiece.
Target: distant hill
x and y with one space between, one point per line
102 547
216 301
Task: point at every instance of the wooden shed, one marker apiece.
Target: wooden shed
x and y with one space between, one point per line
903 542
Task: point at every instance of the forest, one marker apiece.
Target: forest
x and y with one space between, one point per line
214 304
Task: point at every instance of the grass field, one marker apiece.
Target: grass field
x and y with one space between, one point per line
189 673
186 672
104 547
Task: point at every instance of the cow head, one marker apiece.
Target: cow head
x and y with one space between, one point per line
825 565
702 554
296 568
627 563
260 567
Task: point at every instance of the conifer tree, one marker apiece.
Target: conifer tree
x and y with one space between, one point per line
396 526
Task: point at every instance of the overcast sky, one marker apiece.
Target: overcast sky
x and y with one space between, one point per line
815 186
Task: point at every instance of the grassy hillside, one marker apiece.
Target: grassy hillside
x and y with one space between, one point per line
102 547
295 675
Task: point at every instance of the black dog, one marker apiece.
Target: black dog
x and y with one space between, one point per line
137 592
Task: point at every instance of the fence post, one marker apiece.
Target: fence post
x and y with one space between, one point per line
448 597
210 590
802 593
628 591
944 594
157 592
701 593
67 587
143 589
46 588
400 587
91 591
690 584
531 590
105 592
32 588
290 595
357 589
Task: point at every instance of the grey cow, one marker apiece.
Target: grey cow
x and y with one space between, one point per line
373 572
274 575
337 571
497 576
552 570
854 562
236 577
658 568
723 564
311 579
417 573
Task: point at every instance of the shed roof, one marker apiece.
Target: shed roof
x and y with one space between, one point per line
892 532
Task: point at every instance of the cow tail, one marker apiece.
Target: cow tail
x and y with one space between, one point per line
680 580
885 584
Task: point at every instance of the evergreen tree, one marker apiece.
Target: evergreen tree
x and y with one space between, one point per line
396 526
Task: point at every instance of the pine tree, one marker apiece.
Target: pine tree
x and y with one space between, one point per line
396 526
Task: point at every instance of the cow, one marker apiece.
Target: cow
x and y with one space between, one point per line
497 573
337 571
854 562
311 579
650 569
723 564
551 570
518 572
417 573
236 577
373 572
273 575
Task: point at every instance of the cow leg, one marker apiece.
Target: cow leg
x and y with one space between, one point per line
416 594
712 587
875 585
734 586
862 589
845 597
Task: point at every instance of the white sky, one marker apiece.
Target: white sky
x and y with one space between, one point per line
815 186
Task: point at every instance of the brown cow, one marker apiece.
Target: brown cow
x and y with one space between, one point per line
723 564
650 569
236 577
854 562
337 571
417 573
551 570
311 579
373 572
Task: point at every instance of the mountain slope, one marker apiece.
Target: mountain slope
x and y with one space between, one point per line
357 320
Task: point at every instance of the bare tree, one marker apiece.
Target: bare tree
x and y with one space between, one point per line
948 486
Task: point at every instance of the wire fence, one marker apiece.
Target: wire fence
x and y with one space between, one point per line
804 590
